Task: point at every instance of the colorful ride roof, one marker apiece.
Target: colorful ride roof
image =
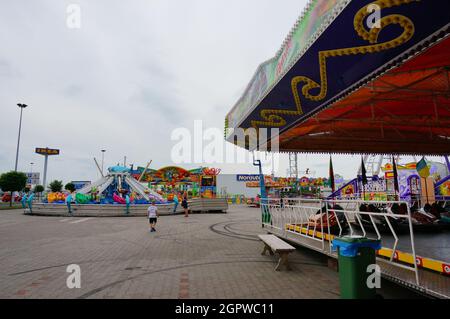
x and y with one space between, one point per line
174 174
348 88
118 169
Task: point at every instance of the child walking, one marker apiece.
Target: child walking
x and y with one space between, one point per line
152 216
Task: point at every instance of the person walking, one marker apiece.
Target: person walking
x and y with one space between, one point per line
184 204
175 202
69 202
152 216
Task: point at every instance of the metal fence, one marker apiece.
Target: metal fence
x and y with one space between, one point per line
315 223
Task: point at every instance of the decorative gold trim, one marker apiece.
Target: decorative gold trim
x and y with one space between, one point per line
274 118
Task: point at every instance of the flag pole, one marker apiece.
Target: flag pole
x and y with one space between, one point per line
331 176
364 192
394 167
424 172
364 181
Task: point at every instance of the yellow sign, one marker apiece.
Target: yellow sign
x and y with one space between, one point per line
47 151
388 167
389 175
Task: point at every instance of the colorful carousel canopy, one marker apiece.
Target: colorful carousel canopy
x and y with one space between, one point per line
344 84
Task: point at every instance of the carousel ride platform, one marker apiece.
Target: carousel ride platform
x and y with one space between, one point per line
200 205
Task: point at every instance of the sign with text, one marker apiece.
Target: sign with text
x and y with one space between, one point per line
47 151
33 178
247 178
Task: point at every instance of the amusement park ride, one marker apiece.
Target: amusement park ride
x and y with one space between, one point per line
124 191
412 186
121 185
338 85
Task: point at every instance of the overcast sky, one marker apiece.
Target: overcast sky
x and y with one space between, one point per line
133 72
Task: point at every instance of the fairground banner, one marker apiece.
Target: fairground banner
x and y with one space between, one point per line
336 47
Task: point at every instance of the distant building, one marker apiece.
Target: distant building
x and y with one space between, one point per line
234 184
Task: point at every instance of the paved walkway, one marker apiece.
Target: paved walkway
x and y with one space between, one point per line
203 256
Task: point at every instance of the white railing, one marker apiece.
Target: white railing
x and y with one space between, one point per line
286 215
305 209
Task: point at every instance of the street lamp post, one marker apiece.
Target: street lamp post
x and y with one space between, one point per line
103 159
21 106
31 173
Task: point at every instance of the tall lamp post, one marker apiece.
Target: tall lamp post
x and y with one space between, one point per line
31 173
21 106
103 159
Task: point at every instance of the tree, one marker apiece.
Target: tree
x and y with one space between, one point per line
56 186
39 189
13 182
70 187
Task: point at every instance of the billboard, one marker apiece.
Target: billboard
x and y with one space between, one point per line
47 151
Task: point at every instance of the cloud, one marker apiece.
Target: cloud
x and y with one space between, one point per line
130 75
157 100
73 90
6 69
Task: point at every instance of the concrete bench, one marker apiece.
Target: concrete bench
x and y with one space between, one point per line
273 244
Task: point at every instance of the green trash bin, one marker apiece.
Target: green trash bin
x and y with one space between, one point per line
355 254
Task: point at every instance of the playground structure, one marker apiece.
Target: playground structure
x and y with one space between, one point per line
338 85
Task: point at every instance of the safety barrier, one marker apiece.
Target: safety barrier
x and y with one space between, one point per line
299 220
202 205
